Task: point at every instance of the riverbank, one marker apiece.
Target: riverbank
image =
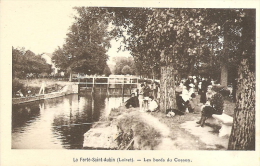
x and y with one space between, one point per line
155 131
38 82
29 90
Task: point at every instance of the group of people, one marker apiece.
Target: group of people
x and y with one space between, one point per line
186 91
144 98
210 101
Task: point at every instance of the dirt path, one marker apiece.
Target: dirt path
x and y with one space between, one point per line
167 143
182 133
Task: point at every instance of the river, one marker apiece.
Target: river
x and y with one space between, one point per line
59 123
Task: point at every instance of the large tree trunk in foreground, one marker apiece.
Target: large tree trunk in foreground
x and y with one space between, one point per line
243 130
167 88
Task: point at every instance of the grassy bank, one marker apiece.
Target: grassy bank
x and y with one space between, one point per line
34 85
147 137
130 123
38 82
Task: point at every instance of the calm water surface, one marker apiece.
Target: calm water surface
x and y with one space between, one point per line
58 123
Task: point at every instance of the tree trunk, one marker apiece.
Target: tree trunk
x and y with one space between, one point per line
224 74
167 88
225 56
243 130
191 67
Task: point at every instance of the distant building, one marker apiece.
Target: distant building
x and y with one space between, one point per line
47 57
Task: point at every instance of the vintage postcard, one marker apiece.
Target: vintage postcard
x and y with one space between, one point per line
129 82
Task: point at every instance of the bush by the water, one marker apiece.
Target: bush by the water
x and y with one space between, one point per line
16 86
32 87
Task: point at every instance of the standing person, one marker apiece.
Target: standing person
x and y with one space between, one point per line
204 86
141 96
158 92
42 89
185 96
191 90
146 93
153 88
199 88
188 82
195 80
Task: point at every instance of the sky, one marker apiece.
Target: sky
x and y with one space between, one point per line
41 26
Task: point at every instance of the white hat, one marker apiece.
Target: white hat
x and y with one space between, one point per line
210 86
191 85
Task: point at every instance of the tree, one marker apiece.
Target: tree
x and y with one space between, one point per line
121 62
182 39
26 62
126 70
86 44
174 39
243 130
107 71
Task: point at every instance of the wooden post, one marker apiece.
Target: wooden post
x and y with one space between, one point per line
78 88
107 86
86 82
123 86
93 84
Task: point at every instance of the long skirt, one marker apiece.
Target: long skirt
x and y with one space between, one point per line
208 111
203 97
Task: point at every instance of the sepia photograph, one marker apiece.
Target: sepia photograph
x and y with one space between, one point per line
135 85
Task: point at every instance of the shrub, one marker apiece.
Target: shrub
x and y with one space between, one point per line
16 86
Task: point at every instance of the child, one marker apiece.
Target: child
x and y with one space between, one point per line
152 105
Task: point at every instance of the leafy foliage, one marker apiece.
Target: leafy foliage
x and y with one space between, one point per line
126 70
86 44
125 65
107 71
26 62
16 86
193 40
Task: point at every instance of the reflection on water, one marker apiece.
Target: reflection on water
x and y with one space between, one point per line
60 122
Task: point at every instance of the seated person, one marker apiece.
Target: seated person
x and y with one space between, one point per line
132 102
215 106
193 104
152 104
181 104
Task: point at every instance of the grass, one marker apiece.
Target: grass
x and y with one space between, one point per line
34 85
38 82
145 136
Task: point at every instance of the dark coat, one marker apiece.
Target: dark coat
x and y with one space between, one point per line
133 101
